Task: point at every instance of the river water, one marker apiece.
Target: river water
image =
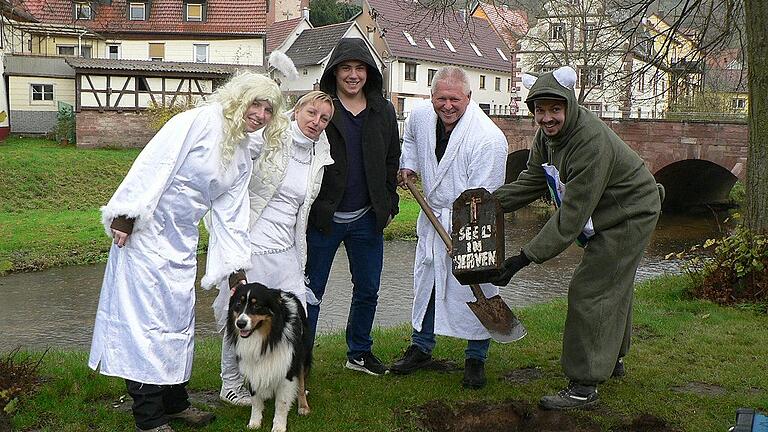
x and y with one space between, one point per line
56 308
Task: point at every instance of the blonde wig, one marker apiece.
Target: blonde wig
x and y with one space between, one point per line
235 97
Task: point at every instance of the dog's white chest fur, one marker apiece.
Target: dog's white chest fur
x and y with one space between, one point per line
265 372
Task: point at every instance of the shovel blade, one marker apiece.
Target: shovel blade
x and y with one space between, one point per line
498 319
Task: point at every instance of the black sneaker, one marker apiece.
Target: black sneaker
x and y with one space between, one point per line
413 359
576 396
368 363
474 374
618 370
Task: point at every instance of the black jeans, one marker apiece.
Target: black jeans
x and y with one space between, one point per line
152 402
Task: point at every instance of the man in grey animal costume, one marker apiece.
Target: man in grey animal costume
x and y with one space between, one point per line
609 203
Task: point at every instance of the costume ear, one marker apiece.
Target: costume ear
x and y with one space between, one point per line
566 76
529 80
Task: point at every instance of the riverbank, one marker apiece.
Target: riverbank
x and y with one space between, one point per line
50 196
691 366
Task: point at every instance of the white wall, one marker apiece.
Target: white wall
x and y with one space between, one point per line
88 100
20 93
234 51
497 100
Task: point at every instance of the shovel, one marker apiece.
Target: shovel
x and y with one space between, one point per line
492 312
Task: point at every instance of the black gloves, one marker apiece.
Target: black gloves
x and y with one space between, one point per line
509 267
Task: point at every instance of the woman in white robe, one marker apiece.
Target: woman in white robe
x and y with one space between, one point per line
283 186
197 163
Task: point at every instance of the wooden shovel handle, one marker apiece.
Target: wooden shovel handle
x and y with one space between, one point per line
430 214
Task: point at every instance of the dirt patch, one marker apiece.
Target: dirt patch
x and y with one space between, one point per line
523 375
700 388
518 416
643 332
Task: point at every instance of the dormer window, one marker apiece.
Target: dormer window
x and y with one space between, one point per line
83 11
194 11
137 11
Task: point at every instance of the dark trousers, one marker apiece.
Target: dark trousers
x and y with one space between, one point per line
364 244
152 403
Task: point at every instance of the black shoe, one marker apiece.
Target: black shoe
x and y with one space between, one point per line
413 359
618 370
368 363
474 374
576 396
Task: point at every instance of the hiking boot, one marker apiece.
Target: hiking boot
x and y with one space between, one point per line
474 374
235 396
193 416
576 396
618 370
162 428
413 359
368 363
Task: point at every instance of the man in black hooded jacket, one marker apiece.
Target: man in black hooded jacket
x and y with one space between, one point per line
358 196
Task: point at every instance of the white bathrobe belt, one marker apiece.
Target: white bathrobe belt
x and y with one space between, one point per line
434 241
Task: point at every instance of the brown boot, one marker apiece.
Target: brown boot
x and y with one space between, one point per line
193 416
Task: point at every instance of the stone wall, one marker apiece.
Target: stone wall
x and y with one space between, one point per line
112 129
659 142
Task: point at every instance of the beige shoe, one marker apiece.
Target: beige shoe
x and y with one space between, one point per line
162 428
193 416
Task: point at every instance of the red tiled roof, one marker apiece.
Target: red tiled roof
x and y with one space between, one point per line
278 32
510 24
398 16
165 16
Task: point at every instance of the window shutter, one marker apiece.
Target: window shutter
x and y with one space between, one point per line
156 50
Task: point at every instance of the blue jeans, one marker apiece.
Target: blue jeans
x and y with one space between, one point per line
425 339
365 249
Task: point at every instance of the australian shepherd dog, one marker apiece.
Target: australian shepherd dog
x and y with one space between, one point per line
268 329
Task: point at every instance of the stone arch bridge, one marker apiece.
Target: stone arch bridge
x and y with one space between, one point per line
698 162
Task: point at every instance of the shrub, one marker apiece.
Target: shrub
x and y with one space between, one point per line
736 271
160 114
65 123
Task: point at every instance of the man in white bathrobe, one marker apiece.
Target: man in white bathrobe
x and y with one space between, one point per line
453 146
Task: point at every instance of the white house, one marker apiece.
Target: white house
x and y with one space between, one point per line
311 48
619 75
414 46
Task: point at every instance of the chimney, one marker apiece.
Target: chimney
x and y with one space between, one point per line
305 13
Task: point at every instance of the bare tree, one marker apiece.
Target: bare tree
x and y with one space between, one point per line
757 159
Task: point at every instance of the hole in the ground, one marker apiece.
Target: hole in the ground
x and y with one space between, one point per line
518 416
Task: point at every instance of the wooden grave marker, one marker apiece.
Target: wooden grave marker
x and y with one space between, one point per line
477 235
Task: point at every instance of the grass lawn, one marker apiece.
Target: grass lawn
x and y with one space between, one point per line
691 366
50 196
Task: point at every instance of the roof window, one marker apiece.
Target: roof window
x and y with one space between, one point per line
474 47
429 42
409 37
501 54
449 45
